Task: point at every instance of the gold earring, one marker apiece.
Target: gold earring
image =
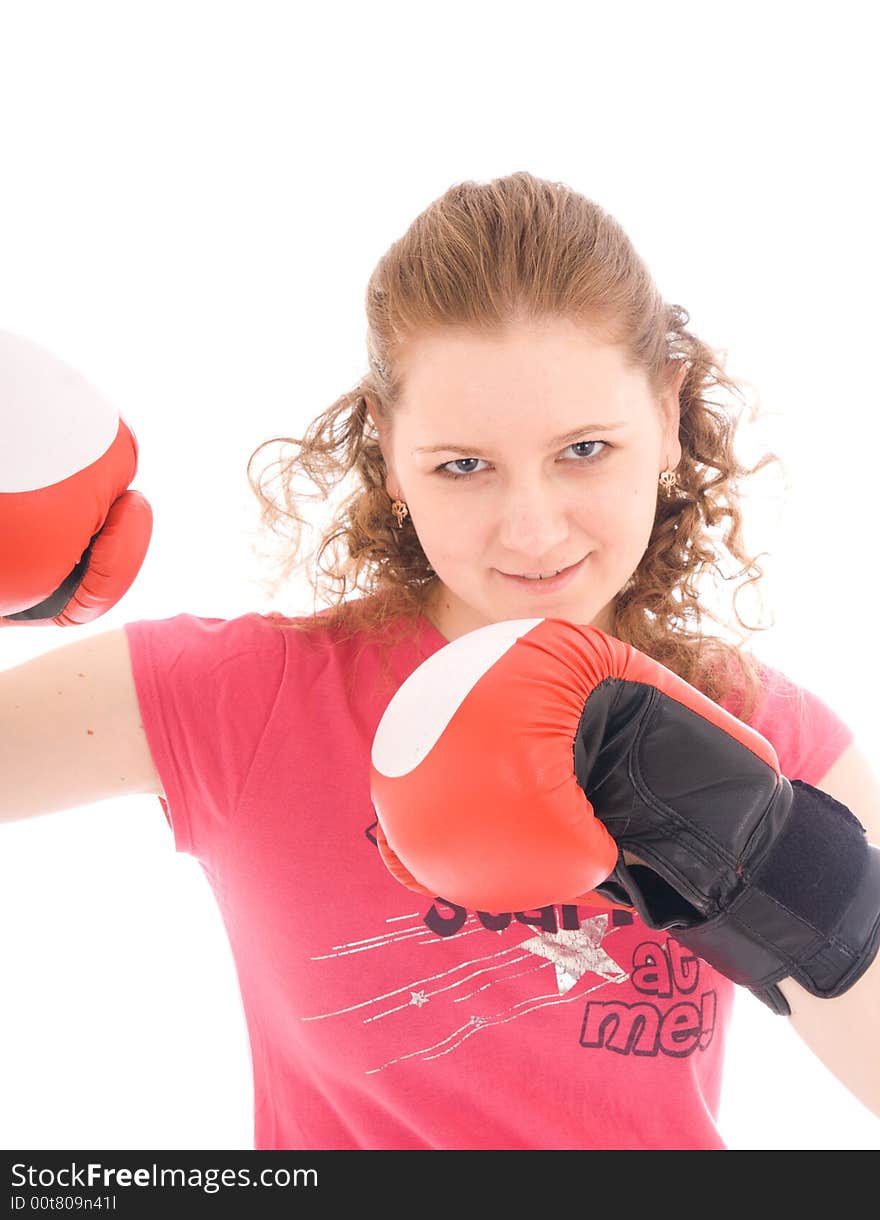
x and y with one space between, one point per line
400 511
668 480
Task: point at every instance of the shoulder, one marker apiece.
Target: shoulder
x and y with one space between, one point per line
835 760
262 644
357 624
187 661
808 734
192 639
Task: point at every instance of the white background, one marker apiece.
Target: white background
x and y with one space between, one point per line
192 197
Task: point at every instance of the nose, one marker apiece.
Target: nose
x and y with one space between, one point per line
532 522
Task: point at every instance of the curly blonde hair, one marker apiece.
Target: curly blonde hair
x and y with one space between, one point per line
481 256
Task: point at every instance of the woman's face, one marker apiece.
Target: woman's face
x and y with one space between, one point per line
521 456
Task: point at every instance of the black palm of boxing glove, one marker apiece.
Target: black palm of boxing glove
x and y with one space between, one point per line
762 877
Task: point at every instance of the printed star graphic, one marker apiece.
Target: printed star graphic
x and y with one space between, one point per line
418 998
574 953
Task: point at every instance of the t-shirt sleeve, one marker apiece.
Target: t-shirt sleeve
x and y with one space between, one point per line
807 734
206 689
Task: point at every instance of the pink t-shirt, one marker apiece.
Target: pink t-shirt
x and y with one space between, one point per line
381 1020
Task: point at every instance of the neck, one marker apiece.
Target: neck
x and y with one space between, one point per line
453 618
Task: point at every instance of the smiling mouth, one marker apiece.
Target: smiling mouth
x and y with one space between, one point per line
536 576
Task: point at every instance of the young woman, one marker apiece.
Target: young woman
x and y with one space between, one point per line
537 436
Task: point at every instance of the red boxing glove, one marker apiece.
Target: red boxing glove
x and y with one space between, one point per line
473 773
473 768
72 537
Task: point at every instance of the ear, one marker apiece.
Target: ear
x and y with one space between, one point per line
384 445
371 411
670 403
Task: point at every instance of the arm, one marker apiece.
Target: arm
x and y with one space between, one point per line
71 731
842 1032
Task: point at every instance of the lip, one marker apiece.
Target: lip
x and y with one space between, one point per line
551 585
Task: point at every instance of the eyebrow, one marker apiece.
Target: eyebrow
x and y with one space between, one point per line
557 440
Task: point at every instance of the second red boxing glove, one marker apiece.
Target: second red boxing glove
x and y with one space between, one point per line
73 535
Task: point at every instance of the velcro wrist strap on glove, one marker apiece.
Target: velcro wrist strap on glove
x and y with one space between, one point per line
762 877
811 910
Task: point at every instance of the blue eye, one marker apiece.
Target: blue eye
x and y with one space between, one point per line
583 460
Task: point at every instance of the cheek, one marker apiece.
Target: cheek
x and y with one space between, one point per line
621 513
639 528
456 540
637 504
445 530
621 527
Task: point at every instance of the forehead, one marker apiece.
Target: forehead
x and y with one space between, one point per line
539 363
